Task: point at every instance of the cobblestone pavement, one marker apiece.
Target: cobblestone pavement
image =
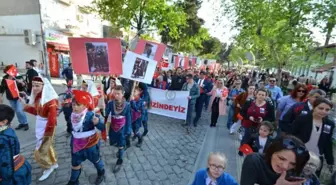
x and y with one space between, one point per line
167 157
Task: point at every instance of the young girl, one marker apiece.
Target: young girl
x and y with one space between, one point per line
260 142
119 119
85 140
137 108
214 173
14 169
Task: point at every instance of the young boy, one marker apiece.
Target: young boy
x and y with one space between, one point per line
85 140
137 106
14 169
214 173
144 94
119 117
260 142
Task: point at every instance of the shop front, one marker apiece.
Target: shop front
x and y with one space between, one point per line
58 52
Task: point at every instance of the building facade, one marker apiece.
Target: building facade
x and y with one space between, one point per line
21 30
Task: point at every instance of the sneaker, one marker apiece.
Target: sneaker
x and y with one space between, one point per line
100 178
139 143
46 174
20 126
72 183
145 133
55 166
117 167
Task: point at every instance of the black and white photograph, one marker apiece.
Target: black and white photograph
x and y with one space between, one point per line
150 50
97 56
139 68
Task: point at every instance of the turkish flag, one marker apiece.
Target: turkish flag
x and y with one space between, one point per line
12 71
246 149
11 84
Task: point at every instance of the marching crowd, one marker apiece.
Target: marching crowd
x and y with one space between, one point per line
285 131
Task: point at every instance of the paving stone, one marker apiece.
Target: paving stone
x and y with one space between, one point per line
133 181
151 175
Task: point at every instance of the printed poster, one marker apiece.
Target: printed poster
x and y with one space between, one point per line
172 104
150 50
138 68
96 55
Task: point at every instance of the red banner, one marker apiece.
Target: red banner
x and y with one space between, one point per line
11 84
96 55
53 64
12 71
182 61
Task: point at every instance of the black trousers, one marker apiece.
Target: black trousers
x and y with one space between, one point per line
215 111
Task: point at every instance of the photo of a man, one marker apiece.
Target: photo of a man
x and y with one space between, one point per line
97 56
150 50
139 68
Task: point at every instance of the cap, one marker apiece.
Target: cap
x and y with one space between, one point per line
84 98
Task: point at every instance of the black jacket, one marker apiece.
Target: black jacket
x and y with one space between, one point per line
106 85
302 128
31 73
253 141
4 88
300 108
177 83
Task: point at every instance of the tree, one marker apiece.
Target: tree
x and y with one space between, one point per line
274 31
143 15
211 46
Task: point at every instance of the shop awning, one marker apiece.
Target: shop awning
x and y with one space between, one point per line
325 67
58 46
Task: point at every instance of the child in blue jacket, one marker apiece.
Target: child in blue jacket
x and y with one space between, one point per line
214 174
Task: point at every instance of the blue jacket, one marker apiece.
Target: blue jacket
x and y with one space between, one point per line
224 179
207 85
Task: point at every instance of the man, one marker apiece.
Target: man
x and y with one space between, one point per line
14 102
67 73
234 92
194 93
177 80
106 83
30 74
205 88
275 90
301 108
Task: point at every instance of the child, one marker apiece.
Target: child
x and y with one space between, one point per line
214 173
144 94
260 142
85 140
14 169
137 108
310 168
119 117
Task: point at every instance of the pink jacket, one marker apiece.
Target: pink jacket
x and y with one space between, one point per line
222 102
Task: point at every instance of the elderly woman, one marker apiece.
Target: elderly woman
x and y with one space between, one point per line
282 162
309 170
315 130
217 104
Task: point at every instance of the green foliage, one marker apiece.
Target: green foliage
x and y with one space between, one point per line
211 46
143 15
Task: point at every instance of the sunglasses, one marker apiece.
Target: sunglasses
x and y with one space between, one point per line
303 91
272 81
290 145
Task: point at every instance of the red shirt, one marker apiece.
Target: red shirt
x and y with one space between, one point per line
255 112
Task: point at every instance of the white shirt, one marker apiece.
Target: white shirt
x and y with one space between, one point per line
200 82
310 106
208 181
312 144
218 92
262 143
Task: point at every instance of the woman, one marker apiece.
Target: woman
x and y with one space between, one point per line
315 130
299 94
324 85
110 90
238 103
217 104
254 112
44 107
284 158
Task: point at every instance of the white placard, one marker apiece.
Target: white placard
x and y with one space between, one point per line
138 68
172 104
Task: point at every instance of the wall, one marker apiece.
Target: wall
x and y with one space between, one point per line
12 46
19 7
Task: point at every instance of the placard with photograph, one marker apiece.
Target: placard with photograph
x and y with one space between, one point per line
96 55
150 49
182 61
138 68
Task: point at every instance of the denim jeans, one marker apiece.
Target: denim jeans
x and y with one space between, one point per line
189 114
21 115
230 116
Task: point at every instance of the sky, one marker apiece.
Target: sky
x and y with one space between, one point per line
222 30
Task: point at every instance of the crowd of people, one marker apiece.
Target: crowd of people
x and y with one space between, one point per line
286 127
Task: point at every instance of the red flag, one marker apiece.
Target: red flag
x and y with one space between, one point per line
246 149
11 84
12 71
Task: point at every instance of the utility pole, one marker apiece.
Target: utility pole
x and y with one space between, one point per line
44 46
